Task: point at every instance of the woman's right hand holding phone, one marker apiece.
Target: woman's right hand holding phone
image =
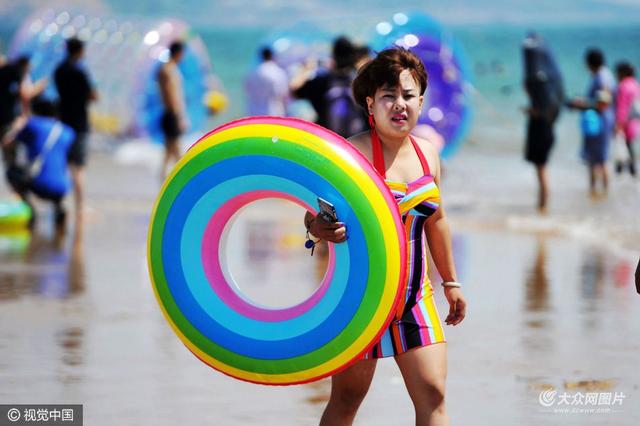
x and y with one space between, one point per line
335 232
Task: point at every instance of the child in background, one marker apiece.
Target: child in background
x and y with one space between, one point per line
626 123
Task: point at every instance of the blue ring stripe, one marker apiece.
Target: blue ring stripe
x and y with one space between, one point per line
198 283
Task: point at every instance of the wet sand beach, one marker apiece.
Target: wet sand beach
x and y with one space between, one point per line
551 304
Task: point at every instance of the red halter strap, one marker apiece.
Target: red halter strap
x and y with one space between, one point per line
378 156
423 159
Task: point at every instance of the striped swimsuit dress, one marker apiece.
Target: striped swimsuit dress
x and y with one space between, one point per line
417 322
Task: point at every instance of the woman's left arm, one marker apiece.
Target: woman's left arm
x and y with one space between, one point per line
439 240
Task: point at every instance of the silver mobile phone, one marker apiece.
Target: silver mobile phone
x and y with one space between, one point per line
327 211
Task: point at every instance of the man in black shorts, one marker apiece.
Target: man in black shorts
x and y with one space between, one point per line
174 120
75 91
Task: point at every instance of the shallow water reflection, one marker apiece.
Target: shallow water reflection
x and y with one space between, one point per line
574 329
537 282
38 264
592 274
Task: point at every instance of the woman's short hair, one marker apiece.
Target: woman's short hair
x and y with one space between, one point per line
384 71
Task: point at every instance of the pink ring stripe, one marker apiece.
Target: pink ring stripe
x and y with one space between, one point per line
215 276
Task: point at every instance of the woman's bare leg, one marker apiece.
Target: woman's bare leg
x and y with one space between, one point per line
425 371
348 389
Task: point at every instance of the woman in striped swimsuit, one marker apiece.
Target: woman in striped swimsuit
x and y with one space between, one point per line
391 88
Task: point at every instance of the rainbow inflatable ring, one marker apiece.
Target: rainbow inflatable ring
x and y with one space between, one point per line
262 157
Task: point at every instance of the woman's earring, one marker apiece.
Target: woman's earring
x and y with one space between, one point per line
372 122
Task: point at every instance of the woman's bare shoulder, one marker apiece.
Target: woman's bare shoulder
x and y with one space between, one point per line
361 142
430 152
427 148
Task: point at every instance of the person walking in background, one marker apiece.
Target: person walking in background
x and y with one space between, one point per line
174 121
627 105
543 84
76 92
330 92
267 87
597 119
43 170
